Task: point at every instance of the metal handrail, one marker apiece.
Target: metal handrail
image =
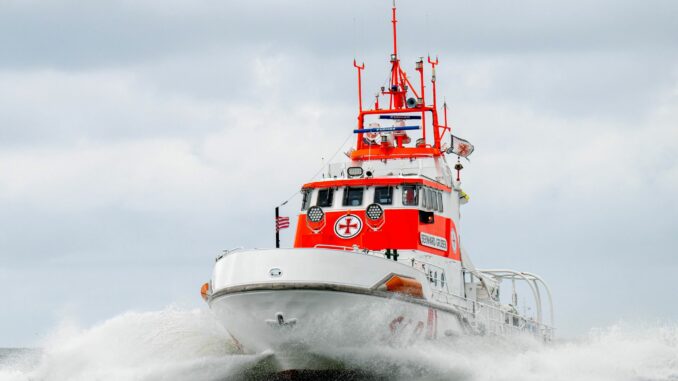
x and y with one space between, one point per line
526 275
337 247
546 330
227 252
417 169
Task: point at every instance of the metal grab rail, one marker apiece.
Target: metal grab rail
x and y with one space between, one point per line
354 248
497 318
532 280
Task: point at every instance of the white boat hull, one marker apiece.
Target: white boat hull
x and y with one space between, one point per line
321 299
309 320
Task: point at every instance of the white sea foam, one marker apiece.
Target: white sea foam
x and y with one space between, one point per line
175 344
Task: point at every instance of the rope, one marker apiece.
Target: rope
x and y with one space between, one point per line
320 170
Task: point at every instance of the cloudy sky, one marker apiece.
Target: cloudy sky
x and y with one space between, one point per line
140 138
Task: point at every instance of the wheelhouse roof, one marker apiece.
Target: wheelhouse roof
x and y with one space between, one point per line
371 181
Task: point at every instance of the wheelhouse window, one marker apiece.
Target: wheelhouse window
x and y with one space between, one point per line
325 197
306 198
410 195
440 202
383 195
353 196
434 200
429 198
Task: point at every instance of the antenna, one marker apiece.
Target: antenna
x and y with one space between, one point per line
360 83
395 33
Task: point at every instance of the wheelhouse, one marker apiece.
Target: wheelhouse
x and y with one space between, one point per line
378 214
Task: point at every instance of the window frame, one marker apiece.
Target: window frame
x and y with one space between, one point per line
390 195
415 188
330 198
345 199
306 198
434 199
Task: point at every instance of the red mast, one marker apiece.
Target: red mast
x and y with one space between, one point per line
400 108
397 90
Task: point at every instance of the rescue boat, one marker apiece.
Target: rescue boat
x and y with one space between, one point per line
378 254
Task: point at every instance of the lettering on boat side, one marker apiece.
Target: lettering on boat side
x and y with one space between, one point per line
433 241
348 226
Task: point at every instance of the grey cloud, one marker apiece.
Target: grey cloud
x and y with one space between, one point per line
71 34
604 85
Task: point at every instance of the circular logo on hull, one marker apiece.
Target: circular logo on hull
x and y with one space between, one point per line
348 226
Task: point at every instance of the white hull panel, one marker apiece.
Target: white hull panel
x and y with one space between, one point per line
302 299
310 320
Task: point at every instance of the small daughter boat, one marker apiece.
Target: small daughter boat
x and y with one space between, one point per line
378 255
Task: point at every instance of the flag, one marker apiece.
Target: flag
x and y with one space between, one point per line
282 223
460 147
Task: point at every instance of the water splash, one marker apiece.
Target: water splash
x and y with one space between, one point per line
178 344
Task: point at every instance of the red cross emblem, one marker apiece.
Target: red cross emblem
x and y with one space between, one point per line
348 226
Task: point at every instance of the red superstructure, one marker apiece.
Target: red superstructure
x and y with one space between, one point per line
397 192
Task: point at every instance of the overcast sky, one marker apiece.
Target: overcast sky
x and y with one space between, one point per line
140 138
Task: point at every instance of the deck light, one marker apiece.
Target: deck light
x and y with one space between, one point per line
315 214
205 291
374 212
354 171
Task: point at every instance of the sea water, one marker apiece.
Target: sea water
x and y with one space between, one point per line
176 344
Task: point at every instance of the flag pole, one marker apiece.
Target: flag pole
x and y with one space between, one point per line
277 231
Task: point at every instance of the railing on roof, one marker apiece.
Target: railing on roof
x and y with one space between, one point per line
438 172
